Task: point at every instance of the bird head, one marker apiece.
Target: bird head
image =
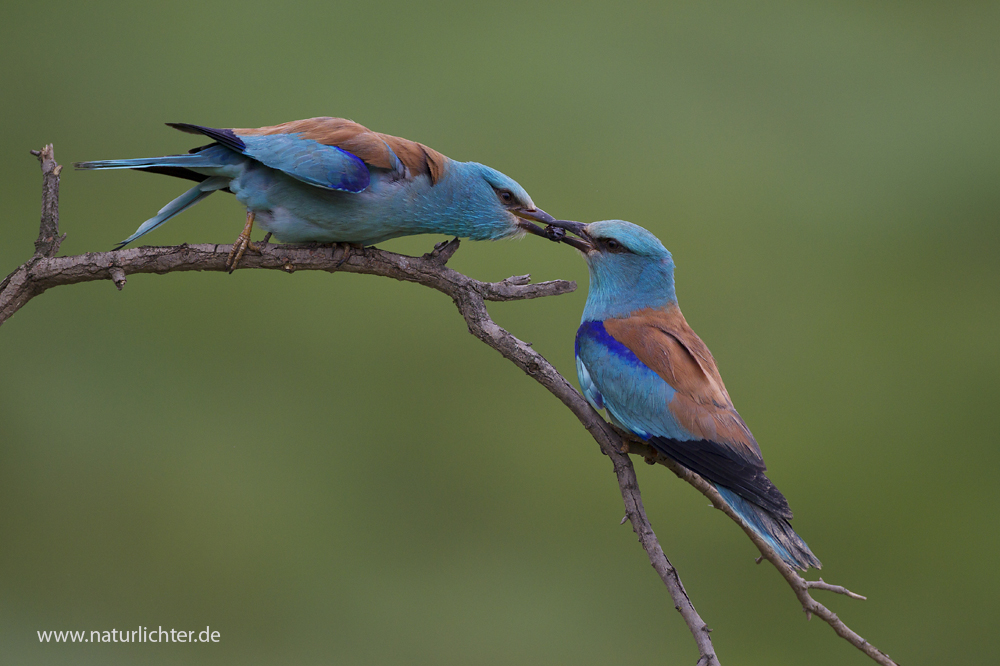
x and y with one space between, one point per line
494 195
629 267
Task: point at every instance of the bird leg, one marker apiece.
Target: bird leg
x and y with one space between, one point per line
242 244
626 438
346 247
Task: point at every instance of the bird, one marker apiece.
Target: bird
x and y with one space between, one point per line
638 359
332 180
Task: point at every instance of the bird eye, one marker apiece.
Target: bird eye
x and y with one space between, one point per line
505 196
613 244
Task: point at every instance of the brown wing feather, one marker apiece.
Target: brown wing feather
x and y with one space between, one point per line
662 339
726 452
359 140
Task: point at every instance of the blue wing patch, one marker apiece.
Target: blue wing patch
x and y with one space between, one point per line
311 162
636 397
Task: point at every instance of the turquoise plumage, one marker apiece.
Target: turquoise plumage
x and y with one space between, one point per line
331 180
637 358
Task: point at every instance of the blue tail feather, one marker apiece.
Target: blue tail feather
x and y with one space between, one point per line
774 530
213 157
181 203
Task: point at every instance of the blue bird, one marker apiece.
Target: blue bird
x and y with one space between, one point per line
637 358
332 180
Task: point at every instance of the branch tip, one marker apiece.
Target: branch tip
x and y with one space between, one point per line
518 280
443 251
49 239
837 589
117 276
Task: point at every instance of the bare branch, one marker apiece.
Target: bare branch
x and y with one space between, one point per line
44 271
838 589
49 239
16 286
39 274
470 304
799 585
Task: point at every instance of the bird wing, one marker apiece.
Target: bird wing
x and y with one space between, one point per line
383 151
657 378
333 153
329 167
664 342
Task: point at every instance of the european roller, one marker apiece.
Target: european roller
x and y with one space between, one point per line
331 180
637 358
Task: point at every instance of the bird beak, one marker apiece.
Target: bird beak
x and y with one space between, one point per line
528 217
557 231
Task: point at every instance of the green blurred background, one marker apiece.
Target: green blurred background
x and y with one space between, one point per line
328 469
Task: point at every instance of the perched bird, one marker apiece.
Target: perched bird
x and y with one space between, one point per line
332 180
637 358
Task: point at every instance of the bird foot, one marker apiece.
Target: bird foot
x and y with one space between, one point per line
240 247
627 438
242 244
346 247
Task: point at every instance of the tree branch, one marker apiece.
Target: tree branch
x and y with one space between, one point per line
49 239
44 271
799 585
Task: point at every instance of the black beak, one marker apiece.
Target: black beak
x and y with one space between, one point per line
557 231
528 215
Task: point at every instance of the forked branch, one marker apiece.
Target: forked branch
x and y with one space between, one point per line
44 270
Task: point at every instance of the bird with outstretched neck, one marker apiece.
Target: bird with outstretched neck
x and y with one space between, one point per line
331 180
637 358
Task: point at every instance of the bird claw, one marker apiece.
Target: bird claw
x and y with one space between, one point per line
346 247
240 247
242 244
